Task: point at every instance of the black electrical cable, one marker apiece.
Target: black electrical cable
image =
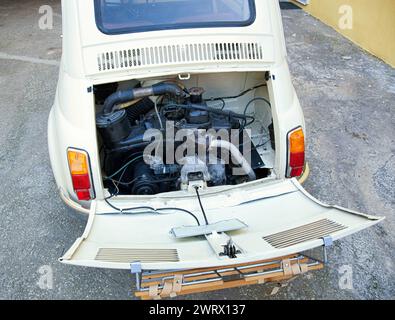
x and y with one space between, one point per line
201 205
240 94
123 167
181 210
256 99
109 203
135 179
120 179
249 104
262 144
223 103
128 210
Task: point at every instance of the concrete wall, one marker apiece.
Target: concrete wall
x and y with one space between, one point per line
373 23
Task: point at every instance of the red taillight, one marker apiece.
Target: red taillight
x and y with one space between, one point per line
296 153
80 175
83 195
81 182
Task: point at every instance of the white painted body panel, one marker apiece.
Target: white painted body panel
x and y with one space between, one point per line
276 207
72 124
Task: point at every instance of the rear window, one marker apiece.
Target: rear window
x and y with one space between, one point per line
128 16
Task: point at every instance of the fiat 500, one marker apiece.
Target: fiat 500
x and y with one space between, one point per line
176 128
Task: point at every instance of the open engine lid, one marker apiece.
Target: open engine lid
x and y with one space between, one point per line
281 218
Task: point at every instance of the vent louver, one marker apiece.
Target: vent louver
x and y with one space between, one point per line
128 255
178 54
311 231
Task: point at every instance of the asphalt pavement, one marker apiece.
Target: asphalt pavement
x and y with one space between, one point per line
348 98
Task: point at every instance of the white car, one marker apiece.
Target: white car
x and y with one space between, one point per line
177 129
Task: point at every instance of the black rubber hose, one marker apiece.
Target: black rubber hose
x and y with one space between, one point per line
117 98
165 87
132 94
230 114
140 108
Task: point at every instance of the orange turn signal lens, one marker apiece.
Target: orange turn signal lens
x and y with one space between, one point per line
296 141
78 162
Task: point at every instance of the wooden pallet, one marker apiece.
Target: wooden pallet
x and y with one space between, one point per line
157 285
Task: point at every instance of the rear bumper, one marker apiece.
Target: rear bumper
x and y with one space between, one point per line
73 204
306 172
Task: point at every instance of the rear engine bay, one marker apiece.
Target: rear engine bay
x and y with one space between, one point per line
169 133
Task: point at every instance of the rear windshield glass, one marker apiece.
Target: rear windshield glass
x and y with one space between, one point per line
127 16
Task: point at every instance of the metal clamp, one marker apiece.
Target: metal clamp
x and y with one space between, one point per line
328 241
135 268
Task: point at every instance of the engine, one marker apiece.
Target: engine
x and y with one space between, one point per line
127 117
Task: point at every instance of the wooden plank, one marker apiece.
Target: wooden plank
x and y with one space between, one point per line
211 286
168 274
220 285
154 281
